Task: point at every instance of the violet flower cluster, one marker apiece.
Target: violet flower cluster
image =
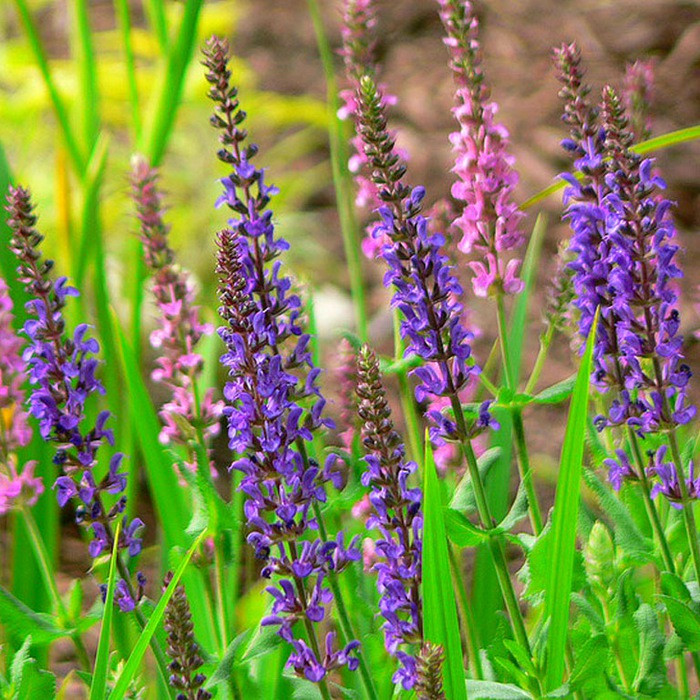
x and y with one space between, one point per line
427 291
273 402
62 375
625 264
17 486
359 53
179 327
490 220
397 517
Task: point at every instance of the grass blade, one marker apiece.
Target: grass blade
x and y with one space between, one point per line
342 181
99 675
59 108
124 21
565 519
129 671
87 68
170 85
673 138
439 604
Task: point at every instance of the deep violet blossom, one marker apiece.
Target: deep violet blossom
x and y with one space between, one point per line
426 290
625 264
490 220
179 328
273 402
63 376
397 517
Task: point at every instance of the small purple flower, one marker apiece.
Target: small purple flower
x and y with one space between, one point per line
668 483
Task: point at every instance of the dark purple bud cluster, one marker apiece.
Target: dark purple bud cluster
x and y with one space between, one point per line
397 517
430 661
427 291
273 401
62 375
182 648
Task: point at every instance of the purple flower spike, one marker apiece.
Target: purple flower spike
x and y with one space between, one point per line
273 402
426 288
397 517
62 376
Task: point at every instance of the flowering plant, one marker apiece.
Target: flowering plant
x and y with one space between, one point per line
385 529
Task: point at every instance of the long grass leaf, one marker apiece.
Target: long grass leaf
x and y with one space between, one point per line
342 180
673 138
129 671
76 155
124 21
87 69
565 518
99 674
439 604
169 88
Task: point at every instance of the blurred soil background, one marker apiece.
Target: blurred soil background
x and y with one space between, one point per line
283 89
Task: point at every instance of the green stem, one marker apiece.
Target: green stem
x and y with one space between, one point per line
518 428
345 624
43 560
545 343
688 515
465 609
496 545
130 64
649 504
342 181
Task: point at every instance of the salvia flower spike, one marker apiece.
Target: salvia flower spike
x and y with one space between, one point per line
398 518
187 414
182 647
17 486
490 220
62 375
426 290
273 402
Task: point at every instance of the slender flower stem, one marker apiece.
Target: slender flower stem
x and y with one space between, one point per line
649 504
473 644
342 180
50 582
518 428
495 543
688 515
545 343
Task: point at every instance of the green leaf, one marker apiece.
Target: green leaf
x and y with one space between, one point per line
99 676
128 672
651 671
565 518
557 392
463 499
19 661
489 690
439 605
628 537
591 659
23 622
664 141
223 670
261 643
461 531
685 620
